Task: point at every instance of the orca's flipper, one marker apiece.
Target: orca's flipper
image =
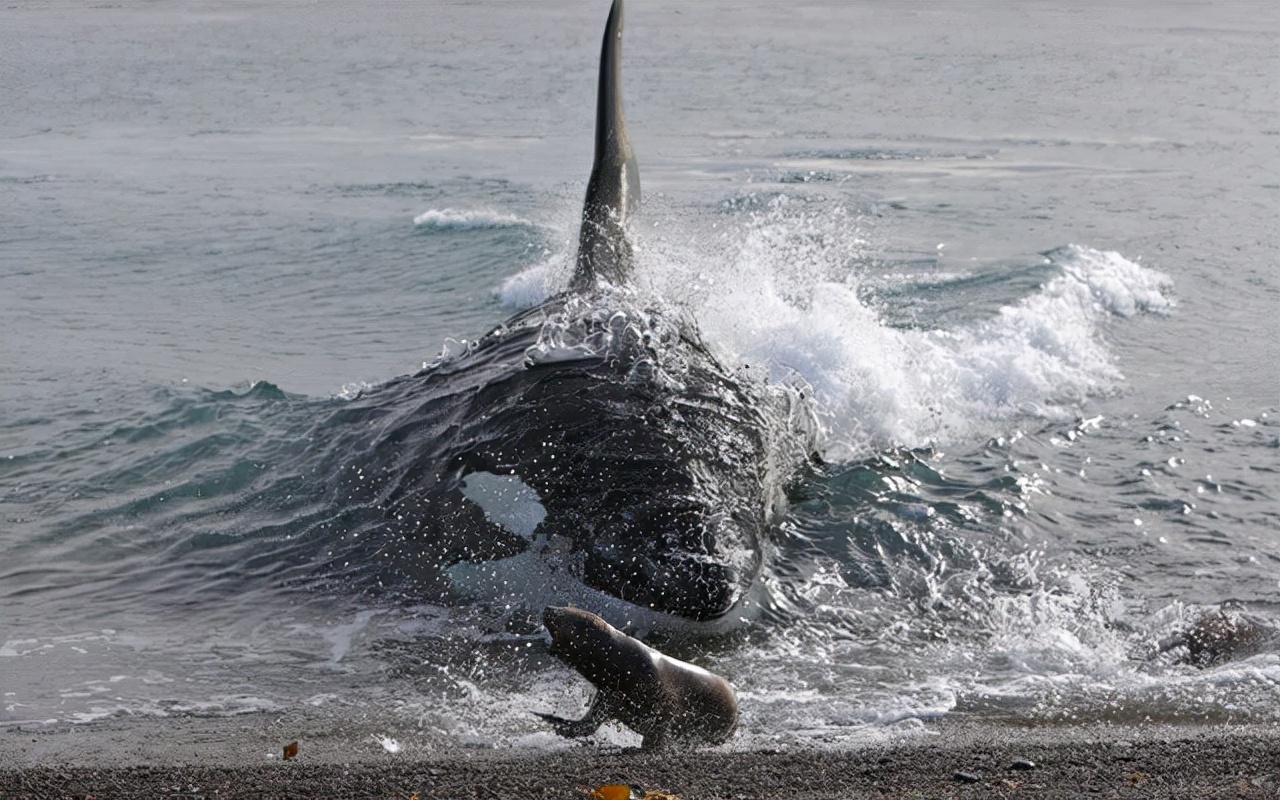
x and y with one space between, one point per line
604 250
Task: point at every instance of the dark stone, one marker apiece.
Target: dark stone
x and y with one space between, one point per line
965 777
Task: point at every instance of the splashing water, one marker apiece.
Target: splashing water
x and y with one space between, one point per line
790 292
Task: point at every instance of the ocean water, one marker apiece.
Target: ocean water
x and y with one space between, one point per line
1022 261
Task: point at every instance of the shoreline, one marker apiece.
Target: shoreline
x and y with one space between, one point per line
956 758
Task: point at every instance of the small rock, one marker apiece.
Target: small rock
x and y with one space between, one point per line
1023 763
965 777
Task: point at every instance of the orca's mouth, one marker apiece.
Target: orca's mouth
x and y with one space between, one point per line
697 589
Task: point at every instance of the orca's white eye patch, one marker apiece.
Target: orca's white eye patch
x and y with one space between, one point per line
506 500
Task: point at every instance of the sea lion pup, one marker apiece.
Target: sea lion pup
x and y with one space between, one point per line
659 697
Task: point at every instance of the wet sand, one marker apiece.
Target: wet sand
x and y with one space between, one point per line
954 758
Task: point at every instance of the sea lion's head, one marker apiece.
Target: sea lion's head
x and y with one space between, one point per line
577 636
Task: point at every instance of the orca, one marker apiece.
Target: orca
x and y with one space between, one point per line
591 450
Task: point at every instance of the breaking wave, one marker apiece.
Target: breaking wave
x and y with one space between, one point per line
447 219
794 294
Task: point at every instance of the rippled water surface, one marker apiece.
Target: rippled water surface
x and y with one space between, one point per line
1021 262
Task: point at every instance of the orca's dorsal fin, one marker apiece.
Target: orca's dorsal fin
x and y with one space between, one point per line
613 193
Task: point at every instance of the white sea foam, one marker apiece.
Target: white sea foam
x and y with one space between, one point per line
791 298
388 743
1074 652
531 286
881 385
454 219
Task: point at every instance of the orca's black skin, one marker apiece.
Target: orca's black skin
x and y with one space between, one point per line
660 471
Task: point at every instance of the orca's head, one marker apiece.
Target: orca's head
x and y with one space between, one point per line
692 590
673 562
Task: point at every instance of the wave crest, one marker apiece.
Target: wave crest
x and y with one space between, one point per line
448 219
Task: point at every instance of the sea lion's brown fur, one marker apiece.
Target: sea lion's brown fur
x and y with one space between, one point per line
659 697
